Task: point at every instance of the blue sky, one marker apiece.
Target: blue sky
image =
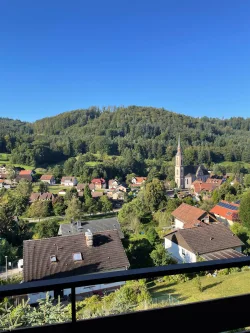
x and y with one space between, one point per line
191 57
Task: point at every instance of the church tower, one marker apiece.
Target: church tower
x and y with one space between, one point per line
179 169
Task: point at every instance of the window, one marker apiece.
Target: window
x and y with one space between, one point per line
77 256
183 252
187 181
53 258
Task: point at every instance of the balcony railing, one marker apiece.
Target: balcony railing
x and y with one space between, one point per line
216 315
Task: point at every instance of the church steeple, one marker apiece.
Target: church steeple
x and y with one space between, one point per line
179 144
179 169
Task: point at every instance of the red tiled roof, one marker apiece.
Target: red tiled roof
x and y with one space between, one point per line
25 172
189 215
98 181
227 213
200 186
214 181
46 177
140 179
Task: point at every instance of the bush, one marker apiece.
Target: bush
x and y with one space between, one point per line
234 270
245 268
224 271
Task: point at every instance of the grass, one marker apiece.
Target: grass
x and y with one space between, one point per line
93 163
230 164
213 287
5 159
51 188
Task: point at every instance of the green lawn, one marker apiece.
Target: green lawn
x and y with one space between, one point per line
226 163
93 163
53 189
214 287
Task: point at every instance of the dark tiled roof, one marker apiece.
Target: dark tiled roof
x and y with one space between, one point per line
192 169
209 238
225 254
93 225
106 254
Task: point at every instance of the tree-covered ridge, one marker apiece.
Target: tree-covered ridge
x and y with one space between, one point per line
149 132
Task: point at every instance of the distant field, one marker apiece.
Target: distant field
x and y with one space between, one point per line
226 163
4 157
53 189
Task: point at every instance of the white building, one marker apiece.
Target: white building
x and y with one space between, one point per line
209 242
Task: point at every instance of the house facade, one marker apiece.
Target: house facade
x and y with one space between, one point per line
138 181
186 175
99 183
48 179
209 242
69 181
78 254
226 212
25 174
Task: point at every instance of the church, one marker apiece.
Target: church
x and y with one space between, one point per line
186 175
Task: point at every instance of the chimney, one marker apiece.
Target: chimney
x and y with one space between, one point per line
89 238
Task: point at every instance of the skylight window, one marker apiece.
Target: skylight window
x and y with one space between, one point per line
53 258
77 256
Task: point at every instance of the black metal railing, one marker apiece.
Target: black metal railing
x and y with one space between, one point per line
215 315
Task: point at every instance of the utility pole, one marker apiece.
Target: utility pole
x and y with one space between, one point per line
6 260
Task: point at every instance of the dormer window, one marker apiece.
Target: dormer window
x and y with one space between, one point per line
53 258
77 256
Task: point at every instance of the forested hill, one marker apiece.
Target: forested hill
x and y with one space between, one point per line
146 131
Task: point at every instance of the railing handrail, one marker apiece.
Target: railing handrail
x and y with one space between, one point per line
118 276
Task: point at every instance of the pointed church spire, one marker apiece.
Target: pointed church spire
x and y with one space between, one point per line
179 143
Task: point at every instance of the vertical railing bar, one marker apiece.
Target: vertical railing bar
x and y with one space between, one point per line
73 304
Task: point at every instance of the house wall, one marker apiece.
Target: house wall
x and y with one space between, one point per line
179 253
178 224
224 220
34 298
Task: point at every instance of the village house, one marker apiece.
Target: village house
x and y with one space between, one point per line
47 196
79 254
187 216
113 183
76 227
199 187
25 174
81 187
49 179
3 184
3 171
116 195
69 181
226 212
99 183
210 242
138 181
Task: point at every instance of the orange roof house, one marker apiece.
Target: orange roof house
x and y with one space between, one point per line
187 216
226 212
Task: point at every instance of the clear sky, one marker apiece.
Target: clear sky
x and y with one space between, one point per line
188 56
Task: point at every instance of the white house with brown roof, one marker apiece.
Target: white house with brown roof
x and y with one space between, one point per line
210 242
138 181
69 181
48 179
187 216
